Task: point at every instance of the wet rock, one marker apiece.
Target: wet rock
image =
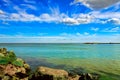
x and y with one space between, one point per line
88 76
75 77
45 73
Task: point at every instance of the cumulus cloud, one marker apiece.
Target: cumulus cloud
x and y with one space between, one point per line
105 15
70 21
96 4
78 19
113 20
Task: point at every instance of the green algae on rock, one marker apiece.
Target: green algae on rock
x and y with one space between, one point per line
18 62
11 67
9 57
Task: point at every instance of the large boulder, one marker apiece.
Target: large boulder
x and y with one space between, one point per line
45 73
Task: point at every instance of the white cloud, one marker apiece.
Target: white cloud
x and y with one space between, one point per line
115 29
22 17
70 21
7 2
94 29
105 15
77 19
113 20
1 12
54 17
57 17
78 1
30 1
29 6
78 34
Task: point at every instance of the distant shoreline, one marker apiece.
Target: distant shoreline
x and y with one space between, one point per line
63 43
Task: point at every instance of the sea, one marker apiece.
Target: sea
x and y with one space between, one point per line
99 59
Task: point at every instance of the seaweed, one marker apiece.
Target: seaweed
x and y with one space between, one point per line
9 57
18 62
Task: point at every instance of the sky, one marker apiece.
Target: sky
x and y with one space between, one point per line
59 21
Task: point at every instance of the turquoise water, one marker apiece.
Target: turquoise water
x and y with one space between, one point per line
103 59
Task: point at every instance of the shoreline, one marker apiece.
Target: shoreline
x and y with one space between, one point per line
69 43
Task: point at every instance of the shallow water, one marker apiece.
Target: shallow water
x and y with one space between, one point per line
103 59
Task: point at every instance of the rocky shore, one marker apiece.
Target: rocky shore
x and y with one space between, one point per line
13 68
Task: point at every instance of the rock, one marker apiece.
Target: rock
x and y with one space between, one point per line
1 54
11 67
3 50
88 76
12 71
45 73
74 78
6 56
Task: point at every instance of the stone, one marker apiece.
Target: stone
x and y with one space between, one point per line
3 50
1 55
88 76
13 72
74 78
45 73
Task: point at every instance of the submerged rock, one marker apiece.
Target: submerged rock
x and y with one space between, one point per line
76 77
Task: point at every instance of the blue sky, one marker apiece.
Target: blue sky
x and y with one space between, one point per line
59 21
